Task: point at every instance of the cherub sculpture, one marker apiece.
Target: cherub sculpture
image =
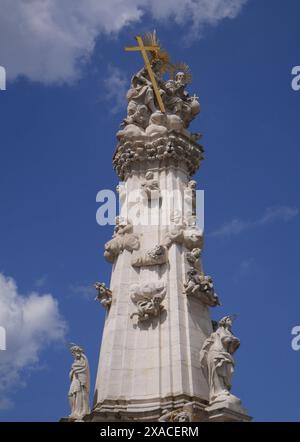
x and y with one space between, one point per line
201 286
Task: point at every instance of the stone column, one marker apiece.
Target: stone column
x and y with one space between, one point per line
150 365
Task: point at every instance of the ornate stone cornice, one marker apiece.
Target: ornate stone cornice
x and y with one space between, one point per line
174 149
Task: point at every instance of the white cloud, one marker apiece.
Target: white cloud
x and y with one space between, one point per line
31 322
271 214
48 40
233 227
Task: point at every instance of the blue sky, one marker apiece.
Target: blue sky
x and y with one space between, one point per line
57 139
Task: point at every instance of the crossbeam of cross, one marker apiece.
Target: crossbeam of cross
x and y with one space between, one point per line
143 49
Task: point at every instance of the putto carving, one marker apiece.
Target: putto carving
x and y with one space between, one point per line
148 298
193 258
190 198
150 186
104 295
201 286
183 414
184 232
156 256
80 384
217 363
123 239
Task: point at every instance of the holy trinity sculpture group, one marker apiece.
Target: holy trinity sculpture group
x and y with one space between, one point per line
155 128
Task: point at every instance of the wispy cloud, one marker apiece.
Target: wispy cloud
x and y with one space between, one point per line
116 85
50 40
86 291
271 214
32 323
281 213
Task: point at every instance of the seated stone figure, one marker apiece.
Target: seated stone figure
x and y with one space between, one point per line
141 92
178 101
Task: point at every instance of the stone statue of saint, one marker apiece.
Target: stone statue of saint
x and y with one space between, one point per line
178 100
141 101
217 363
80 384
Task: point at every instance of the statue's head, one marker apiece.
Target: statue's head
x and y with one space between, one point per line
76 351
180 78
157 300
192 184
156 65
227 321
101 287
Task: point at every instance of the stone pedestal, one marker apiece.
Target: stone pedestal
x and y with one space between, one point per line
224 414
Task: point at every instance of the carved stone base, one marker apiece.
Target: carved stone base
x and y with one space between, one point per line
221 413
142 411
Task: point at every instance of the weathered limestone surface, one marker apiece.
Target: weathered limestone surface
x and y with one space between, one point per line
145 365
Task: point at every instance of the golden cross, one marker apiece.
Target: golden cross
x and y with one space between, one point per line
143 50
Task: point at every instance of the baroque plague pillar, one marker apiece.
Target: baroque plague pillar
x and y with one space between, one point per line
158 301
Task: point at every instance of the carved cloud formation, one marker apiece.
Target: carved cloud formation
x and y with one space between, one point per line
31 322
49 40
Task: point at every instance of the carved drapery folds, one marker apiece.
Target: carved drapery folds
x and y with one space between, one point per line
201 286
123 239
148 298
80 384
104 294
217 363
